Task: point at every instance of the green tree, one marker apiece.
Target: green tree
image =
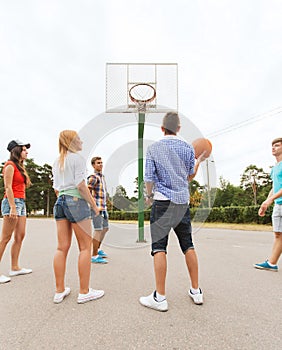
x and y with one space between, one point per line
208 197
253 180
33 193
264 190
48 196
40 195
196 193
229 195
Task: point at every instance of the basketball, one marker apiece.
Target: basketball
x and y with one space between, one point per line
200 145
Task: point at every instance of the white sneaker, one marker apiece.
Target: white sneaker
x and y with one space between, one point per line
22 271
4 279
59 297
152 303
93 294
197 298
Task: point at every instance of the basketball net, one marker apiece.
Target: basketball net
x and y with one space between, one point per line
142 94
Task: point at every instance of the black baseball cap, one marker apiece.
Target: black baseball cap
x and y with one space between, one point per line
15 143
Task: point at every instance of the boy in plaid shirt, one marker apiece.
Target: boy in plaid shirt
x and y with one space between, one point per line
97 186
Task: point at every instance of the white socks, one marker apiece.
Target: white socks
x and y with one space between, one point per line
159 297
195 291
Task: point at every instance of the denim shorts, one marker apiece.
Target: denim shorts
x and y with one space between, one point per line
100 221
166 215
277 218
71 208
20 207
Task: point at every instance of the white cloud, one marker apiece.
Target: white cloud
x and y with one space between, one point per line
53 57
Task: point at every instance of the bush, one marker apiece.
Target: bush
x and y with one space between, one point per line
127 215
234 214
230 214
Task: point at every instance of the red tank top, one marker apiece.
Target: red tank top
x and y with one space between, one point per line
18 185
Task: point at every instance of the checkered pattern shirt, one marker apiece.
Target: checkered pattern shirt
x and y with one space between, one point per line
169 162
97 186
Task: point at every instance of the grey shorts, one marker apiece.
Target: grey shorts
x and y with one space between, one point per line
277 218
100 221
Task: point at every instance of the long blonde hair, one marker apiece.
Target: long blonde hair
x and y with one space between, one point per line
66 143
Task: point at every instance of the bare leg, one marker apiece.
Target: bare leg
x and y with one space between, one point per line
160 267
8 227
192 265
103 234
276 249
99 235
82 231
95 245
19 235
64 233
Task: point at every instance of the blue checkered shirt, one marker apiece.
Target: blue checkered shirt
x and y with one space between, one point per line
169 162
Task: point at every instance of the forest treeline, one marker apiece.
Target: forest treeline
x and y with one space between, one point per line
254 187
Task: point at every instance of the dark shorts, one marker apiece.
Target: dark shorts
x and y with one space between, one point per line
100 221
166 215
71 208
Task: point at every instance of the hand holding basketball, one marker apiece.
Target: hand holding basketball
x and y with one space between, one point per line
202 147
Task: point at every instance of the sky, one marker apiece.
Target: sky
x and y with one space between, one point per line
229 56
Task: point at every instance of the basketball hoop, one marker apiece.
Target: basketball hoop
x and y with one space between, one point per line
157 81
141 94
145 88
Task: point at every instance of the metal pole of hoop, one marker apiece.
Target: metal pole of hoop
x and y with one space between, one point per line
141 122
137 93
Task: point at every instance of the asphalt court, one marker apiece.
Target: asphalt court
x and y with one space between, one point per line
242 306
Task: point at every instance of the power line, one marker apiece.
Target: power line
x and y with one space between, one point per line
251 120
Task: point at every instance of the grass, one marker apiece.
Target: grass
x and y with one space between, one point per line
243 227
219 225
